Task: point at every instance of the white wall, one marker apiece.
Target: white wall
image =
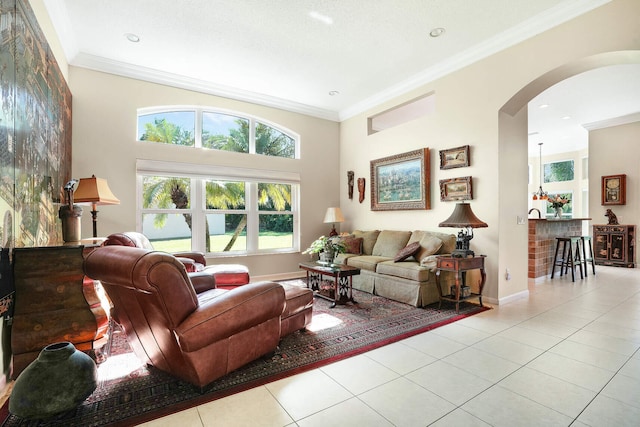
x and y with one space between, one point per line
616 150
104 144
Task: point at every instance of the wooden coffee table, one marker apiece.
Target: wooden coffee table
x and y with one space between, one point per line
342 290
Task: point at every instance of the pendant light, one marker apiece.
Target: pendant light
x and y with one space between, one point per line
541 194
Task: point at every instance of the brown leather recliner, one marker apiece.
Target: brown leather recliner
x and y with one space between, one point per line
195 337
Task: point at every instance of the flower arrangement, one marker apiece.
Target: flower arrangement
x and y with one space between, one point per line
330 245
558 201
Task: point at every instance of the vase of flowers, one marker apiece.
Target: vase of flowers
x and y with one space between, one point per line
326 248
558 203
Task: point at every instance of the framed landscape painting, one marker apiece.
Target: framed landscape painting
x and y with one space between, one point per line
401 182
456 189
454 157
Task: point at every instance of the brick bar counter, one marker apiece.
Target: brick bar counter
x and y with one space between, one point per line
542 241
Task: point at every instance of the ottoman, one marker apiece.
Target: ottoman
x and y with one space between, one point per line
298 309
228 275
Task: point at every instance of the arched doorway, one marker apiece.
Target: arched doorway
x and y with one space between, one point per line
512 143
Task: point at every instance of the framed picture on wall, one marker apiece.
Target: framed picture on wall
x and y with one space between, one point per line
454 157
456 189
614 189
401 181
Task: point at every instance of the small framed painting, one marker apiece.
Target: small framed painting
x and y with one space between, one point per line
614 188
456 189
454 157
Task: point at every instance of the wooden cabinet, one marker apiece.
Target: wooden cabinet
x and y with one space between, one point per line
614 245
55 301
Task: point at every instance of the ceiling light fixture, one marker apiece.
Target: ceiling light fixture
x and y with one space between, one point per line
436 32
541 106
541 194
334 93
133 38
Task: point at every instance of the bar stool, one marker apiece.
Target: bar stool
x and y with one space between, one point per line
568 258
586 260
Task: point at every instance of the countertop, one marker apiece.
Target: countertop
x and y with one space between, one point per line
559 220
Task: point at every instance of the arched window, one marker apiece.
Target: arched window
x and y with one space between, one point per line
214 129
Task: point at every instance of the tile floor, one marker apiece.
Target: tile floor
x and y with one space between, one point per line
565 356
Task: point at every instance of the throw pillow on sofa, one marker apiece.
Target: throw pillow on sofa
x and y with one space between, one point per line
429 245
368 239
410 250
352 244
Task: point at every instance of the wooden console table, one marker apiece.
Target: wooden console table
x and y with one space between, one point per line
55 301
460 266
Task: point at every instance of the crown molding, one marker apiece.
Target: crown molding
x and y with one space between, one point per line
105 65
615 121
530 28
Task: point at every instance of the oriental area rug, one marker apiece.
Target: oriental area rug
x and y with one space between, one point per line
130 392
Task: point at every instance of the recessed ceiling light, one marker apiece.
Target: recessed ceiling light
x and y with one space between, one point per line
543 105
566 117
334 93
436 32
133 38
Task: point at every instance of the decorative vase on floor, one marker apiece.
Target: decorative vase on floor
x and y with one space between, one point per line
56 382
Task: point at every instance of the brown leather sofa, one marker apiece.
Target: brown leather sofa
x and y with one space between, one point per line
197 337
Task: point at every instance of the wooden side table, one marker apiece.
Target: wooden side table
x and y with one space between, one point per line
460 266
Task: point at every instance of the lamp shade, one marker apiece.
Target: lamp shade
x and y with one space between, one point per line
333 215
463 216
95 191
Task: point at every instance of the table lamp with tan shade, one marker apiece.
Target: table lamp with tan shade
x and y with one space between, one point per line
97 192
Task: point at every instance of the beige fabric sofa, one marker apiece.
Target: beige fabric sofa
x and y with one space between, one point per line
411 281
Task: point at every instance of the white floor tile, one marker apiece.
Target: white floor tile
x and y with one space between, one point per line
625 389
350 413
461 334
449 382
552 392
307 393
605 342
255 407
400 358
530 337
433 345
507 349
359 374
459 418
500 407
482 364
405 403
573 371
591 355
605 411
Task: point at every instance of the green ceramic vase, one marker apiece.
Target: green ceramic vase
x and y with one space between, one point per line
57 381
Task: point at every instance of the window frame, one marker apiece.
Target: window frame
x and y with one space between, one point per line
199 110
198 173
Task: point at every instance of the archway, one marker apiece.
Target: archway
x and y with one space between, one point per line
512 143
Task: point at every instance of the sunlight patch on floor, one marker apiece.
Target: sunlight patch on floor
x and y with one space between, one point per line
118 366
323 321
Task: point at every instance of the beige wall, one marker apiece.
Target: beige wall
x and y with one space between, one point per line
468 103
616 150
104 144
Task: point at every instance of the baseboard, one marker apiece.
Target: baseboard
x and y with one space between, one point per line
509 298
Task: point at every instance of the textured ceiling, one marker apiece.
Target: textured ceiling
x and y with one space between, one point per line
291 54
